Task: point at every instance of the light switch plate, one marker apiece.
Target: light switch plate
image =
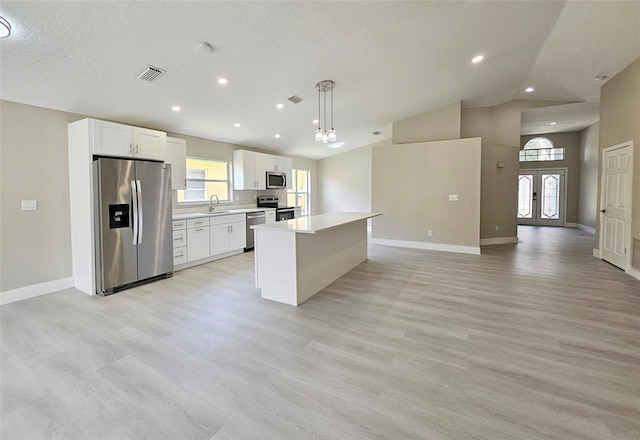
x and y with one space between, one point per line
29 205
453 197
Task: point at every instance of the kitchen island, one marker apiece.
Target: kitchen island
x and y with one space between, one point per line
297 258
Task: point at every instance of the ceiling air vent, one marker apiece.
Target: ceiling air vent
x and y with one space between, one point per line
151 73
377 133
295 99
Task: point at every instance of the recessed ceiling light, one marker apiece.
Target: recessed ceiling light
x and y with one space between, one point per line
176 108
222 81
552 123
205 47
377 133
279 106
237 124
336 145
529 89
477 59
315 121
277 136
600 77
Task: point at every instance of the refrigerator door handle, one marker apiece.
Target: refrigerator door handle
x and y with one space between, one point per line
140 221
134 216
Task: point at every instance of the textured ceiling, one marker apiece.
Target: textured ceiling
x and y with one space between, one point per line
567 117
389 60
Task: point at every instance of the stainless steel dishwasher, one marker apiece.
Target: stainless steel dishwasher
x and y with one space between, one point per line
253 218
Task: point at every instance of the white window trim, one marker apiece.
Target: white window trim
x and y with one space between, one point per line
229 182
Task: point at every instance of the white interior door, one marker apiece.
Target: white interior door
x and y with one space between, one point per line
541 197
614 206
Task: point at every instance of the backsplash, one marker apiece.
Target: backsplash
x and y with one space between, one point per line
242 200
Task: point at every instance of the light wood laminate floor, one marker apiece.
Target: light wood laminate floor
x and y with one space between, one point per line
538 340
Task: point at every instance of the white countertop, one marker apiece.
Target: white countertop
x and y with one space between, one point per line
218 213
317 223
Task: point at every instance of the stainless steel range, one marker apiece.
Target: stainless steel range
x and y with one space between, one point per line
286 213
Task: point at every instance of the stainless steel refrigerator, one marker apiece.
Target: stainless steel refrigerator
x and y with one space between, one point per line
133 222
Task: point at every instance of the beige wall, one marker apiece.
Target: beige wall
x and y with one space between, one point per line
35 246
570 141
346 181
620 122
411 186
588 184
439 124
499 128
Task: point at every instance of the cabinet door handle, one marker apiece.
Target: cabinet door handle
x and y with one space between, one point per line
231 228
137 149
130 148
198 230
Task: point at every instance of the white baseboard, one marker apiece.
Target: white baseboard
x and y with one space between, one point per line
570 225
498 240
586 228
9 296
596 253
634 272
427 246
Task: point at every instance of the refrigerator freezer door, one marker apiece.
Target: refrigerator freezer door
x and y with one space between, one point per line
155 248
115 253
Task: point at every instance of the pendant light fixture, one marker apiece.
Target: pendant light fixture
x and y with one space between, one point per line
323 133
5 28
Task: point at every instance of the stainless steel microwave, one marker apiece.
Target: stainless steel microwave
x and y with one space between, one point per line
276 180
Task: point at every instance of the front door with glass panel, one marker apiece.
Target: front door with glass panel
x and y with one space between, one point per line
541 197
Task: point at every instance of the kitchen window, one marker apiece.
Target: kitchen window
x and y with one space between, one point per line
206 177
300 192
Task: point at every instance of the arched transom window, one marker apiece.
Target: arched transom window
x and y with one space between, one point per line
540 149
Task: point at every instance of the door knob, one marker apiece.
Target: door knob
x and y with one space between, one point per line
603 211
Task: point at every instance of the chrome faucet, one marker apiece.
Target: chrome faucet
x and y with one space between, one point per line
211 202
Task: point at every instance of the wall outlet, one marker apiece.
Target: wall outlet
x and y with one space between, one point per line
497 228
453 197
29 205
430 233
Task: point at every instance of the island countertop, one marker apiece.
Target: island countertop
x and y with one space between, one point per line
317 223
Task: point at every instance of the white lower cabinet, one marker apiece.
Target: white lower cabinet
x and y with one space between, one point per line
270 216
238 235
197 239
227 233
200 240
179 255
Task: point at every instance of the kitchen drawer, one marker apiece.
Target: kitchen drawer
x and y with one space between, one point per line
179 255
222 219
197 222
179 224
179 238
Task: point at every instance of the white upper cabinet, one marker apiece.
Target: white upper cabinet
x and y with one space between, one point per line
112 139
275 163
149 144
249 170
288 170
176 155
